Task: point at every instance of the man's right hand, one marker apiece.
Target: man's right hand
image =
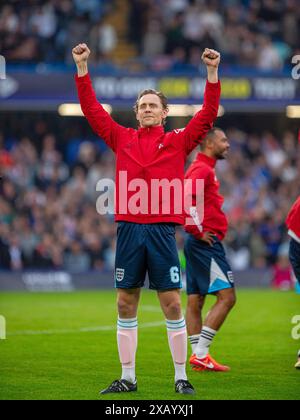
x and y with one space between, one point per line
209 238
81 54
211 58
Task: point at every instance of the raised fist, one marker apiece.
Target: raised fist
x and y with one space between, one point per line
211 58
81 53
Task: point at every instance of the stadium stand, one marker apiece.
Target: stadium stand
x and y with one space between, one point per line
157 34
48 218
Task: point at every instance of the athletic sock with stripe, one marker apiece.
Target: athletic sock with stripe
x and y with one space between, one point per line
177 336
206 337
127 345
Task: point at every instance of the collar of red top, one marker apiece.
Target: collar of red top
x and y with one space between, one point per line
158 129
208 160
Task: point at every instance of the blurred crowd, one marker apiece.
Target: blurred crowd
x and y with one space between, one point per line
262 34
168 34
48 217
45 31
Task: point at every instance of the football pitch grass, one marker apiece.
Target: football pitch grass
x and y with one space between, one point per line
63 346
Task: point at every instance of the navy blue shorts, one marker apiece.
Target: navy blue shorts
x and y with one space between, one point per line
294 254
142 249
208 270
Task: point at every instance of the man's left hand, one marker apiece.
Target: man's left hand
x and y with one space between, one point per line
211 58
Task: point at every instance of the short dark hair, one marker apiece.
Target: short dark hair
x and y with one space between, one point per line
162 97
209 135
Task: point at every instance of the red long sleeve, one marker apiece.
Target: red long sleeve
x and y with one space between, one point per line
100 121
203 121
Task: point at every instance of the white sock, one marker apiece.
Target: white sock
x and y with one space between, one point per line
180 372
129 374
194 339
177 336
206 337
127 346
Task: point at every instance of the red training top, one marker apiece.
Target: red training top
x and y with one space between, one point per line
148 154
214 219
293 221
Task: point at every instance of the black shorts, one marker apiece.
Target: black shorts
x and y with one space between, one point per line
147 248
207 268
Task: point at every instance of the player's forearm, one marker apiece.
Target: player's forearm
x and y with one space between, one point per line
212 75
100 121
91 108
82 69
203 121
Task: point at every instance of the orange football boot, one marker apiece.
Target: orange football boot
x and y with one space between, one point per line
207 363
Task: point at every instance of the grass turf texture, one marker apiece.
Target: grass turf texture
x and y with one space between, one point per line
48 353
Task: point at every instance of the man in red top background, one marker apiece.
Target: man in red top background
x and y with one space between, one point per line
208 271
293 224
146 238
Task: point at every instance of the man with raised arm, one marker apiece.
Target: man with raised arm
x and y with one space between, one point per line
146 233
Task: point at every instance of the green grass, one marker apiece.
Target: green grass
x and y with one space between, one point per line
74 364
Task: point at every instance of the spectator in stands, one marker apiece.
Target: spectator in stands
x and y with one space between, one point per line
154 40
103 40
76 259
268 57
282 271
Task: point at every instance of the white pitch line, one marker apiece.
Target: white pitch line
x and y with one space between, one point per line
81 330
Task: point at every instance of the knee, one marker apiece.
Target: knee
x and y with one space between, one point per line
173 310
126 309
195 304
200 303
229 301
